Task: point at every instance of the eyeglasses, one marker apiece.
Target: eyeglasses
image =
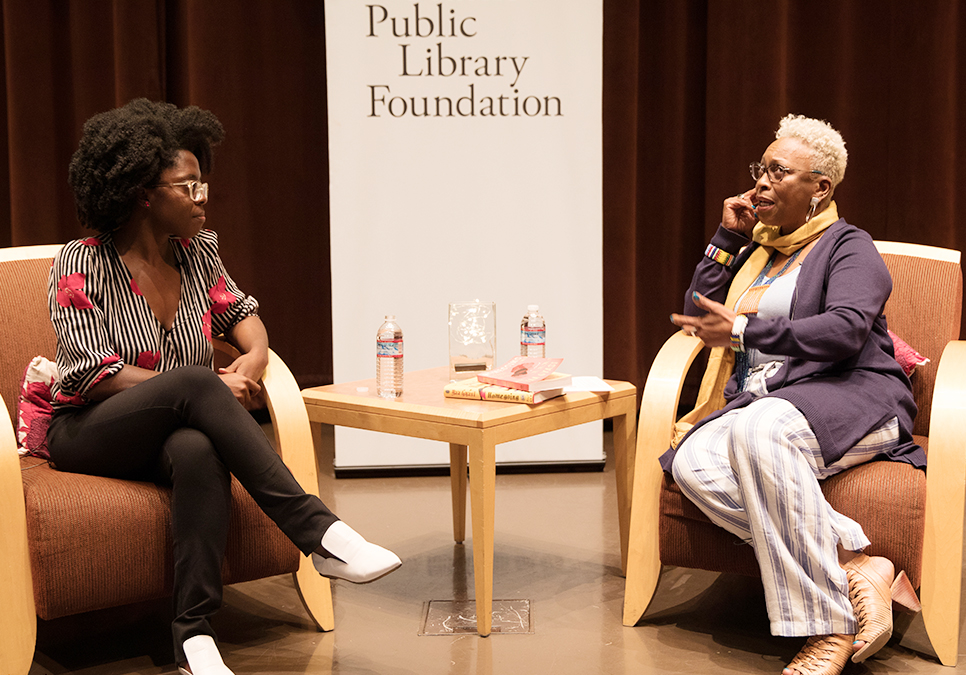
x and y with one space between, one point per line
776 172
196 190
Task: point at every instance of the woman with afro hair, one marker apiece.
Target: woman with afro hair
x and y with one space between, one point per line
134 309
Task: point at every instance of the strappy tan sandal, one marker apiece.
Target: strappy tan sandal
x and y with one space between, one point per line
822 655
873 590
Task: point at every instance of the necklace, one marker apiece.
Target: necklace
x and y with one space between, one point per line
749 305
752 298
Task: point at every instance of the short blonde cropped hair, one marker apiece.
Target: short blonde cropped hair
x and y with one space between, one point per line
827 145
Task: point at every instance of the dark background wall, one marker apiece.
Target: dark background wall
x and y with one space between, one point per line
693 92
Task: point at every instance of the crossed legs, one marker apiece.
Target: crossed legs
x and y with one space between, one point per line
185 428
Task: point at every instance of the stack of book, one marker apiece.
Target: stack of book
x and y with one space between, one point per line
523 379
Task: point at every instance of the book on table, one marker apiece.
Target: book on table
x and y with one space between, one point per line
527 373
473 389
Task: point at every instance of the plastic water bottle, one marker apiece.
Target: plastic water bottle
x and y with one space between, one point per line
389 359
533 333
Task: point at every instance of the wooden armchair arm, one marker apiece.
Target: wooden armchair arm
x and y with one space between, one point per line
18 620
942 567
293 439
659 406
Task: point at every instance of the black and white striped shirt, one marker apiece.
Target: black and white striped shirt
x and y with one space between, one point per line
102 320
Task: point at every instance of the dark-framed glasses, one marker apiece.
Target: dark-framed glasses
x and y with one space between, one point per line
776 172
197 190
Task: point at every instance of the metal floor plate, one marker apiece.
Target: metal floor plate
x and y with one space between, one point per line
454 617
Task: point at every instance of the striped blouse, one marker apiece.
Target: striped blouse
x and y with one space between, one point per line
102 320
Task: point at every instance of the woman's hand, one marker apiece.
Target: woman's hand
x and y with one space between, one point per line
714 328
738 214
242 376
244 388
250 364
251 339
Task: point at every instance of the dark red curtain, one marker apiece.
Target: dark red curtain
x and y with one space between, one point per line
693 92
259 66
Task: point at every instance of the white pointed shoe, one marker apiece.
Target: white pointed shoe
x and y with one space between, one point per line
203 657
357 560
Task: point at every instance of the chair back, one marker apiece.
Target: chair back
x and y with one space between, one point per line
925 310
25 328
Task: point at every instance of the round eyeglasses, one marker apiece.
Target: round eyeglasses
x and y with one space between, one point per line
197 190
776 172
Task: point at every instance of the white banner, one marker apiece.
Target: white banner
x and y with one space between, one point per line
465 163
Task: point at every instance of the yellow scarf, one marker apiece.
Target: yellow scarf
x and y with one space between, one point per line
721 361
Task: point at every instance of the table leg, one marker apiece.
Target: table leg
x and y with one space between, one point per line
482 463
625 440
457 476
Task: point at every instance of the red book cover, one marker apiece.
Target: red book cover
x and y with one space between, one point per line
528 373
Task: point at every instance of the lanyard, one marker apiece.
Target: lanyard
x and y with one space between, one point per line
752 298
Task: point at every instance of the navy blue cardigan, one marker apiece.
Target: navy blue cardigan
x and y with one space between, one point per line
840 369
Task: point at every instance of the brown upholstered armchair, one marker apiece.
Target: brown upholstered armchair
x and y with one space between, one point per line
71 543
922 536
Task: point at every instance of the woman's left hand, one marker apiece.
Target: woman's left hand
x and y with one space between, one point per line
242 376
251 365
245 389
714 328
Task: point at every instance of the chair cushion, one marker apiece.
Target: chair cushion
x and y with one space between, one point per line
95 542
866 493
870 494
689 539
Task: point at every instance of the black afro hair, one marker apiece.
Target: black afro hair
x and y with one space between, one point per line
126 149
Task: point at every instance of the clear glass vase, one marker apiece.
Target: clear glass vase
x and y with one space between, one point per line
472 338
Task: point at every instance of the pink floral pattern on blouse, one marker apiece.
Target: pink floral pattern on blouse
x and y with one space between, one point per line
148 360
104 374
135 288
206 325
221 297
76 399
70 292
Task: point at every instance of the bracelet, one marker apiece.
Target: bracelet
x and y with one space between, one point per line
719 256
738 333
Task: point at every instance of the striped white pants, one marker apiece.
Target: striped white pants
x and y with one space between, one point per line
755 472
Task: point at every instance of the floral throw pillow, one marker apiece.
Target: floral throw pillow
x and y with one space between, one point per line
34 409
907 357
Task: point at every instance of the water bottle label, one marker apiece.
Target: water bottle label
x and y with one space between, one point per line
533 336
389 348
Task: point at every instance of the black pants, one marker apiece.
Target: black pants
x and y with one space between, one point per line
184 428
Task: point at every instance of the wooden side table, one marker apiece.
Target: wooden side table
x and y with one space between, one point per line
473 429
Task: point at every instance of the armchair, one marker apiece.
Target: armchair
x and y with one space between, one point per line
889 499
71 543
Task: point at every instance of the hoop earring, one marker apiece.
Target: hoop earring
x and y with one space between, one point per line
811 208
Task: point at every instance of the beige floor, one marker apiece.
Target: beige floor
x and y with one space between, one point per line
556 545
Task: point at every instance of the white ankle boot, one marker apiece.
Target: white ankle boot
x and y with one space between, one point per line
203 657
356 559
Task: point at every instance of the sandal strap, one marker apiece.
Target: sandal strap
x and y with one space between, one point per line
823 655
